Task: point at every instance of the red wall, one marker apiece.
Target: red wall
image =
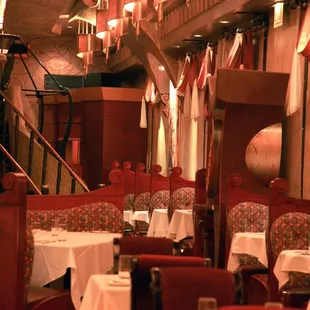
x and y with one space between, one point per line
107 123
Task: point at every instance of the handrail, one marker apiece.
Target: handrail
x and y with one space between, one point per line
15 163
58 157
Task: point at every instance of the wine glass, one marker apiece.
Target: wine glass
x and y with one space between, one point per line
36 228
124 266
207 303
271 304
62 232
55 227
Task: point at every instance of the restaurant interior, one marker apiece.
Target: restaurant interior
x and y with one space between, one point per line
153 154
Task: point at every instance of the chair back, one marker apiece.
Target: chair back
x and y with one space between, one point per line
13 240
289 229
142 245
169 291
141 297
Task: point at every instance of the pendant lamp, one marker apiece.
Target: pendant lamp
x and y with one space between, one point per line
102 20
129 5
158 6
87 43
122 27
116 12
140 11
108 41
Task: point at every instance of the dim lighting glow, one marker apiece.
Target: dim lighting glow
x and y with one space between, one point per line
80 55
129 6
197 35
161 68
224 21
101 34
112 22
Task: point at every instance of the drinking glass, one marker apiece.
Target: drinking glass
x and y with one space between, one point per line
124 266
278 305
36 228
62 232
55 227
206 303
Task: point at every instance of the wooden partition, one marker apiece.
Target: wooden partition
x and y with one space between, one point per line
129 178
110 129
176 180
158 181
244 103
143 180
13 240
113 193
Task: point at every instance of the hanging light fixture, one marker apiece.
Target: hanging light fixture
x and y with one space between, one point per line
116 12
158 6
129 5
87 43
122 27
102 15
107 42
140 11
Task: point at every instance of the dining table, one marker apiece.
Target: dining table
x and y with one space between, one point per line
85 253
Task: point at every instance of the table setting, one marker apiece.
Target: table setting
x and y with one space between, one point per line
181 225
250 243
57 250
110 291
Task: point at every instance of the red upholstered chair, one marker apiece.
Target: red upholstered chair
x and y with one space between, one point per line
141 295
87 217
141 245
160 190
16 264
181 287
142 196
289 227
247 211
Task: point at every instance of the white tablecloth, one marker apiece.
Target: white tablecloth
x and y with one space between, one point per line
247 243
100 295
291 260
141 216
128 217
181 225
159 223
85 253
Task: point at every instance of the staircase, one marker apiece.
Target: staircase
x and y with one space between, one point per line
27 151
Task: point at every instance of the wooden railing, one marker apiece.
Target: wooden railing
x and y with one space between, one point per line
19 168
36 137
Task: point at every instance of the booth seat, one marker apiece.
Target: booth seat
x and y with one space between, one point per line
94 216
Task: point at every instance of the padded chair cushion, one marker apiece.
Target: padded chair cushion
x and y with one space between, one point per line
29 257
290 232
247 217
182 198
83 218
160 200
48 299
142 203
